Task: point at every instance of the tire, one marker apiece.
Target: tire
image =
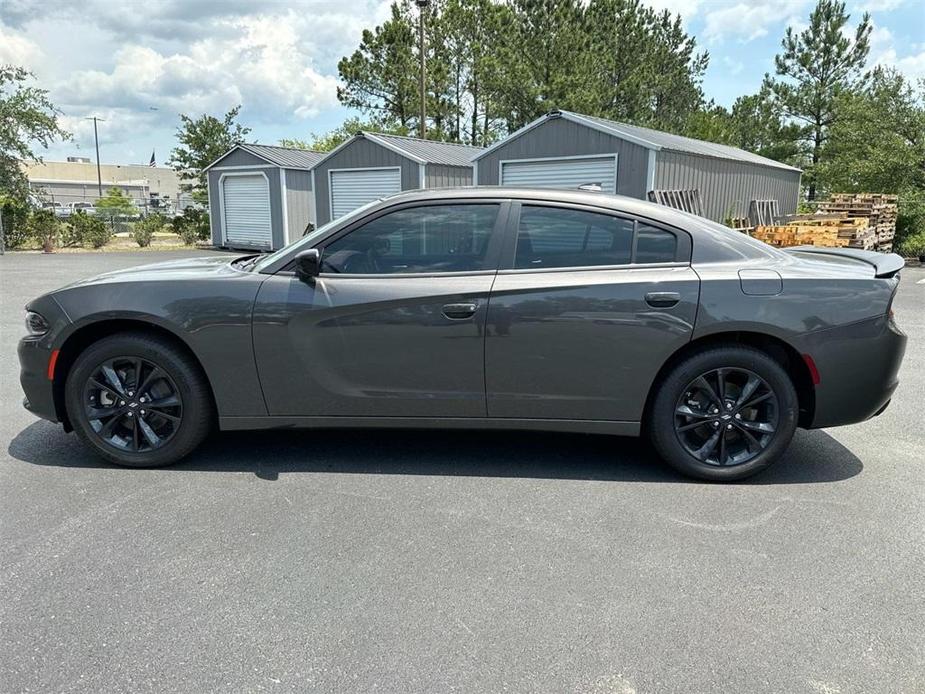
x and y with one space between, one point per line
175 392
751 432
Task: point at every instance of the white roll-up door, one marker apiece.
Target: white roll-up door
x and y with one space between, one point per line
351 189
247 211
562 173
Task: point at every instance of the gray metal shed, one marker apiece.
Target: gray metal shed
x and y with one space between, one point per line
565 150
371 165
260 196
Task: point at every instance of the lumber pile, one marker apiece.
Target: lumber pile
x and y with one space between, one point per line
833 231
847 220
878 209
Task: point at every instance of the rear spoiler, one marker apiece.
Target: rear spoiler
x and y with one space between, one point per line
884 264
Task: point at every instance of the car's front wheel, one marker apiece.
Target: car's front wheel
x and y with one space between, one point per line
724 413
138 400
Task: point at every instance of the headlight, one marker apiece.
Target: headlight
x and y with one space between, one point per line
36 324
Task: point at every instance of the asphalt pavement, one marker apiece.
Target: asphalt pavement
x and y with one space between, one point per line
456 561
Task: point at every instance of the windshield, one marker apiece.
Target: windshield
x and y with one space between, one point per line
309 240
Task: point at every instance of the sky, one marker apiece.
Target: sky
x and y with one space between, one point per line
138 64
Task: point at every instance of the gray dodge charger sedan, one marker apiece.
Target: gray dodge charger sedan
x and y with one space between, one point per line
482 308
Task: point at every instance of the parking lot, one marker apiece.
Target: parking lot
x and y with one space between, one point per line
455 561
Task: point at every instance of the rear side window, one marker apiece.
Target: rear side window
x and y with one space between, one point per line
555 237
655 245
550 237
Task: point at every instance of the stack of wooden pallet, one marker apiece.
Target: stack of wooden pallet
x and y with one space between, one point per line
833 231
878 209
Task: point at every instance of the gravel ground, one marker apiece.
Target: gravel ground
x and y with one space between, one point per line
439 562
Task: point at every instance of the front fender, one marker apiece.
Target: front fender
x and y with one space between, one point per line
213 319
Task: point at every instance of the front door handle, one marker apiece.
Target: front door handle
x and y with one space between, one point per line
460 311
662 299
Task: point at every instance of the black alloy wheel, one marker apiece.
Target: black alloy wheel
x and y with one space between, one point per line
723 413
132 404
139 400
726 416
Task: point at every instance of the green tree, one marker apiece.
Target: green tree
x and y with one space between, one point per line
817 66
202 141
381 77
115 204
753 124
325 142
642 66
27 118
877 145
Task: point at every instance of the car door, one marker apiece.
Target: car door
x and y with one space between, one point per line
394 324
587 307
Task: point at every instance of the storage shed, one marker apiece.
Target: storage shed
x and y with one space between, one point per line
369 166
260 196
567 150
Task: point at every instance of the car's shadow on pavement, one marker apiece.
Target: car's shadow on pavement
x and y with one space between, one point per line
814 456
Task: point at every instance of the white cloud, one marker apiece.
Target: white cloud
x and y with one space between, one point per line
883 52
259 62
750 19
880 5
685 8
16 49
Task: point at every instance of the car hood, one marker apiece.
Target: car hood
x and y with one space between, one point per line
169 271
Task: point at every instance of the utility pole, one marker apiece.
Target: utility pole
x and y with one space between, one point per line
422 126
96 142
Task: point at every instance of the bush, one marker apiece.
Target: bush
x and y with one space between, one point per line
146 227
192 226
912 246
910 216
44 227
90 231
16 232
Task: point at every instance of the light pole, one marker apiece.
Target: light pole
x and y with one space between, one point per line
96 142
422 127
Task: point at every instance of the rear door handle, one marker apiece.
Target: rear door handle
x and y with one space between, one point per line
460 311
662 299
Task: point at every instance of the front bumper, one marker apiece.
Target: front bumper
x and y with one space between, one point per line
34 356
33 376
858 370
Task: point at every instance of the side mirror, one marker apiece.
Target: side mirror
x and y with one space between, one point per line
308 264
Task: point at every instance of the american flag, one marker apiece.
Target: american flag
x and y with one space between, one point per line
152 162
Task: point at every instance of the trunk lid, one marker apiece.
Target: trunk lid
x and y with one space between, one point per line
883 265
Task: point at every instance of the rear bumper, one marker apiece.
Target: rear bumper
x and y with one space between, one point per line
858 370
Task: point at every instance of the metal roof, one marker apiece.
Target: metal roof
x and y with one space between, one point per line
427 151
651 139
286 157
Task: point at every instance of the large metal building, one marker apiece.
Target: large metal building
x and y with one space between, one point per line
567 150
369 166
260 196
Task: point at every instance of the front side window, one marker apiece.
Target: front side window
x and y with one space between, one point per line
435 238
551 237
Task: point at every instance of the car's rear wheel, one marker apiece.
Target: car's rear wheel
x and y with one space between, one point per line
724 413
138 400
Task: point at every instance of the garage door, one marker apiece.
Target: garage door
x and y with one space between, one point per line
351 189
247 211
562 173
